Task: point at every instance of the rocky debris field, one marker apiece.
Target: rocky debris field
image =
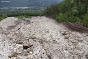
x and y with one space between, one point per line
40 38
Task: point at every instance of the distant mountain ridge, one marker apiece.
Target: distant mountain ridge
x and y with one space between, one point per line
28 3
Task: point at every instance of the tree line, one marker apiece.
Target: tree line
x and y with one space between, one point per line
69 11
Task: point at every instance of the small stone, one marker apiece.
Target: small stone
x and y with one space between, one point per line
25 47
19 48
86 56
30 52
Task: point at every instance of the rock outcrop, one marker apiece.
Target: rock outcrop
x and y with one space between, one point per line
40 38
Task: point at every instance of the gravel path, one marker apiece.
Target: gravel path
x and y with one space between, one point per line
40 38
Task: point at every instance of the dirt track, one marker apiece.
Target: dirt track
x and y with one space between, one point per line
40 38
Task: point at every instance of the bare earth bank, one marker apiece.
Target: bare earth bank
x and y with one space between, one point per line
40 38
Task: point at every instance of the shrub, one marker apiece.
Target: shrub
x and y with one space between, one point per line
69 11
85 20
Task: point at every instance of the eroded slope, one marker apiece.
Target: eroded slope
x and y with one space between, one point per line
40 38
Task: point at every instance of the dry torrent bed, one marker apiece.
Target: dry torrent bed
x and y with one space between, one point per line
40 38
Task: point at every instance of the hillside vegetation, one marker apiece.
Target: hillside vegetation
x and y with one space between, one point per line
19 14
69 11
9 9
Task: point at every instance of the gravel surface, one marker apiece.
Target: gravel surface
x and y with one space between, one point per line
40 38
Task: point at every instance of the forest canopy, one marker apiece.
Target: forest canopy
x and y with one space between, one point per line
69 11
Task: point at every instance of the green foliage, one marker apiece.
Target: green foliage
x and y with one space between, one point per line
2 17
23 13
69 11
60 17
85 20
52 10
19 14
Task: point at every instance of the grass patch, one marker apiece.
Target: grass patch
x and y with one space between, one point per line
2 17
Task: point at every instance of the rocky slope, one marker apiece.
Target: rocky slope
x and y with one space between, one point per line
40 38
